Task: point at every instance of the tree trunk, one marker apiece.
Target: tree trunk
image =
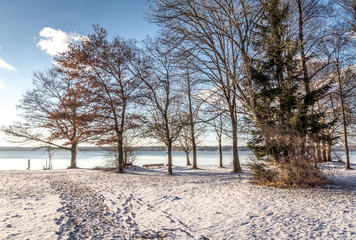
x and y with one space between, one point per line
314 149
220 153
194 151
73 152
328 151
323 151
346 148
191 122
315 152
125 158
187 157
120 155
301 48
120 134
345 139
169 155
318 151
343 119
236 167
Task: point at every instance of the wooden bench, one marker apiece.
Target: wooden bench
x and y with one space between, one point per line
153 165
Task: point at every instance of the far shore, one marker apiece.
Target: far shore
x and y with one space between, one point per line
152 148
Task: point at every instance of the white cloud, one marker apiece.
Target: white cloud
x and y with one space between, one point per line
54 41
5 65
2 84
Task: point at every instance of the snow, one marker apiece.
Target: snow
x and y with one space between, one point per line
209 203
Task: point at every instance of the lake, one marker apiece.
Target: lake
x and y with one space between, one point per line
17 160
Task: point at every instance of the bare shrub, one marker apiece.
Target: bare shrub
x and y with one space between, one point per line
129 154
291 152
337 156
300 172
263 173
49 162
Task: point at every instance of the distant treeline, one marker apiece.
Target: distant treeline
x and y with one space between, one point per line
199 148
157 148
141 148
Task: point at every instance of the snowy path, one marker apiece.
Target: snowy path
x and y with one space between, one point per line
28 206
209 203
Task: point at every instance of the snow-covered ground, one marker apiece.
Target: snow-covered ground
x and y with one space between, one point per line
209 203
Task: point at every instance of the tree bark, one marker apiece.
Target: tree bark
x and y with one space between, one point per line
236 167
169 155
301 48
347 166
323 151
328 151
318 151
220 153
194 149
121 133
191 122
120 155
125 158
187 157
73 152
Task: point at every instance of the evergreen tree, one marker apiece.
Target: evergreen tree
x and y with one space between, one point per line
275 80
285 122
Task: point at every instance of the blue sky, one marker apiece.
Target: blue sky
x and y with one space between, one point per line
33 30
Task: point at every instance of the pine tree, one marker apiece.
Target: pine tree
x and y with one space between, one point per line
284 122
275 80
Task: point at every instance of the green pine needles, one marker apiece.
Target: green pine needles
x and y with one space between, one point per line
286 124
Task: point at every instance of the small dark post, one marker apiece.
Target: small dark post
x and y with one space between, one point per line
28 164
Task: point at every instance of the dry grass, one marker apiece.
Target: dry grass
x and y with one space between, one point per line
298 172
291 161
302 174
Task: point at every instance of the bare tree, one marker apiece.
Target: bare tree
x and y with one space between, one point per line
341 79
49 162
346 10
217 119
104 66
218 127
339 46
163 118
187 140
55 113
130 140
218 35
184 143
310 15
190 83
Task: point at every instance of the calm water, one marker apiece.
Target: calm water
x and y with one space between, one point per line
17 160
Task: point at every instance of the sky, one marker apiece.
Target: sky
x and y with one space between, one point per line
32 31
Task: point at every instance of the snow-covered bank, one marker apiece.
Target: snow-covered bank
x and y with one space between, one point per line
192 204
